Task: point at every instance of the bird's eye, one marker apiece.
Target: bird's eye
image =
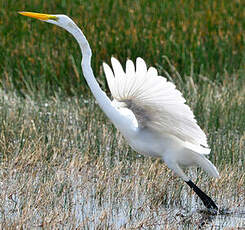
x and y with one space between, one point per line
55 18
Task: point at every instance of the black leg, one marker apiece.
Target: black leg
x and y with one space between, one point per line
207 201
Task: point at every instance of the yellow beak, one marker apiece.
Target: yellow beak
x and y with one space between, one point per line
39 16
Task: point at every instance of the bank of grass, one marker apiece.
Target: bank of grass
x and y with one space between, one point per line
63 165
35 56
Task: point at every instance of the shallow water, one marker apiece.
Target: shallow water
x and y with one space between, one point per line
123 213
84 206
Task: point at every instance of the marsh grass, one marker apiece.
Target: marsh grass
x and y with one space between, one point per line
208 35
62 163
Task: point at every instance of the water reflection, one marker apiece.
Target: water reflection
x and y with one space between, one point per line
222 217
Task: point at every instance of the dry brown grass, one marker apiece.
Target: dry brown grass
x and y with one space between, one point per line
64 167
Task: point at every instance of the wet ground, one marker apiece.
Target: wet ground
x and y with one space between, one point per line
79 200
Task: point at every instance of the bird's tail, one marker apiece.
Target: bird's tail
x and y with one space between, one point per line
207 166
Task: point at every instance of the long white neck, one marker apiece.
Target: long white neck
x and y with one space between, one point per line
104 102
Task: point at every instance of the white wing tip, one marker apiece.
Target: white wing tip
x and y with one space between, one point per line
139 59
106 67
197 148
104 64
114 60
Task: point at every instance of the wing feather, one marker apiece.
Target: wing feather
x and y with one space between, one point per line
155 102
130 69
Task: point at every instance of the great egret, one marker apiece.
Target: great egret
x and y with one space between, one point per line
147 109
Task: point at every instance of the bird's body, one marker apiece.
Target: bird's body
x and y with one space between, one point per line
159 124
147 109
169 148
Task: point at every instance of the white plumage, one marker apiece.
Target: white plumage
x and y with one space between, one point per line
148 110
165 126
155 102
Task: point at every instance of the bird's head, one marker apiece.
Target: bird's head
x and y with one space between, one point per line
57 19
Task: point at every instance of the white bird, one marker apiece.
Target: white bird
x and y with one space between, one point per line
147 109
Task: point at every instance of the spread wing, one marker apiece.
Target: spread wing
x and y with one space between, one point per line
155 102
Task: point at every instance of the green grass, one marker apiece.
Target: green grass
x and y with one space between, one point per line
38 57
64 165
